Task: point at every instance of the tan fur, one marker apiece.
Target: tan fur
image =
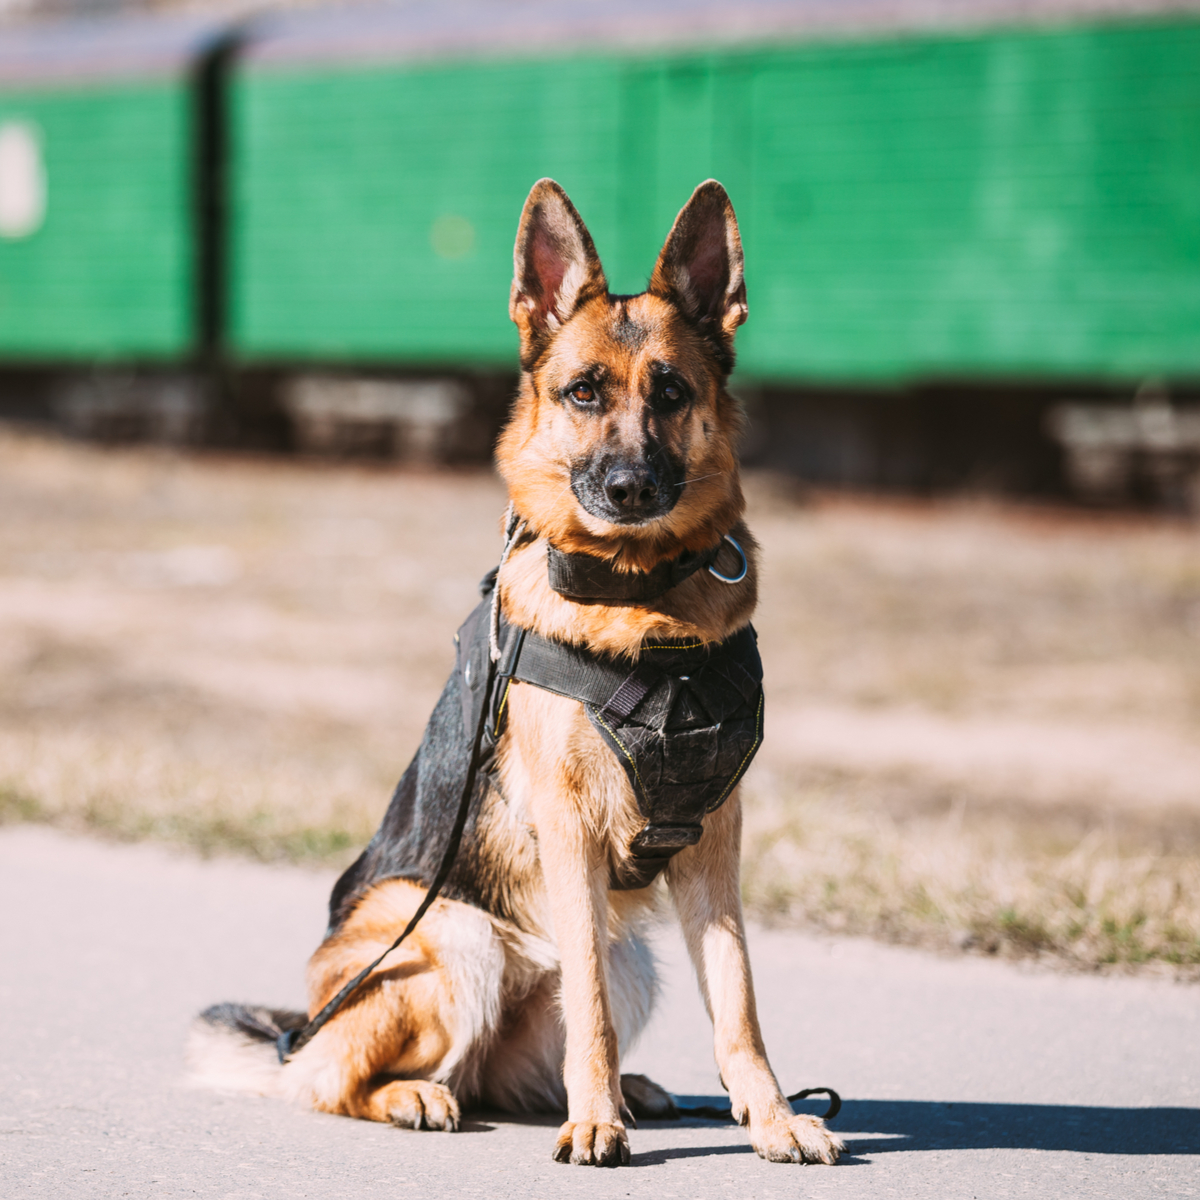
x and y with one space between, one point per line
536 1011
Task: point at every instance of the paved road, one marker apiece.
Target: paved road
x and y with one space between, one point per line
962 1078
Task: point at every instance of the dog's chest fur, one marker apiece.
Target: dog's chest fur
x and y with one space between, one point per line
550 736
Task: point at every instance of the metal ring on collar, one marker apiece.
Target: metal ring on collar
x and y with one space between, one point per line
741 574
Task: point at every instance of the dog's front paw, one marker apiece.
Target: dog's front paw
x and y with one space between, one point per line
797 1139
592 1145
418 1104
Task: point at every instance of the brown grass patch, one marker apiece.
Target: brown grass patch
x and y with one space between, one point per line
983 721
855 855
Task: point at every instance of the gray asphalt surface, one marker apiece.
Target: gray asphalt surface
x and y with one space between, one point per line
962 1077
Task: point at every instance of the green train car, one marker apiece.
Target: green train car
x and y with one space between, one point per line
99 230
955 213
994 203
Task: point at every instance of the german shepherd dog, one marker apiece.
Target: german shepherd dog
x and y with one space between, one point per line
621 446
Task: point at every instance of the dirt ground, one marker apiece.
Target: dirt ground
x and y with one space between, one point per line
983 723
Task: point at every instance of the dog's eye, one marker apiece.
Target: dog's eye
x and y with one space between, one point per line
582 393
671 394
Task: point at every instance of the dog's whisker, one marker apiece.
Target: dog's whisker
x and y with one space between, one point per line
713 475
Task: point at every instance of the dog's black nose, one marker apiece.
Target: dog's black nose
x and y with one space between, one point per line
631 487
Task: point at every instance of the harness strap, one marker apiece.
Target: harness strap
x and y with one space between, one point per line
577 674
633 690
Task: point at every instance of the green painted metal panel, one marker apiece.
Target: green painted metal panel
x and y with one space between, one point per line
1020 205
688 118
374 211
349 186
1016 204
109 273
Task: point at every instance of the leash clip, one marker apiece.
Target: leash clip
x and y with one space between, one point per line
731 578
285 1044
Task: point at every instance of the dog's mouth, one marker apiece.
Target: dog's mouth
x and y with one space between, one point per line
627 491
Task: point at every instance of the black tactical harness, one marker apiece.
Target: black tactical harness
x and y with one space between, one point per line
683 718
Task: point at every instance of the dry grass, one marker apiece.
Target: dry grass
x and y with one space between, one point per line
830 851
983 729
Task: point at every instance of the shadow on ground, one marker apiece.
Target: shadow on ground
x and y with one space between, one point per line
932 1125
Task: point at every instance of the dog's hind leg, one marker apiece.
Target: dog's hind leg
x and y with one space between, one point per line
632 990
704 885
647 1100
397 1050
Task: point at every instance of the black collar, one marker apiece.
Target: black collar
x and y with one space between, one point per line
590 580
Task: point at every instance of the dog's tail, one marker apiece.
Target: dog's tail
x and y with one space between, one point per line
232 1047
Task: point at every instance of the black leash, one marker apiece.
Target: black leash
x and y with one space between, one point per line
708 1113
292 1040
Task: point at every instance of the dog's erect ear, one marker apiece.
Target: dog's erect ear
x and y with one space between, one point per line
702 268
555 265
